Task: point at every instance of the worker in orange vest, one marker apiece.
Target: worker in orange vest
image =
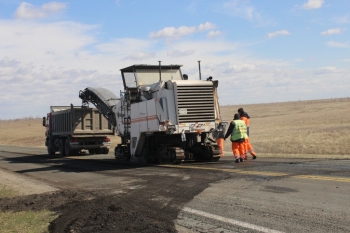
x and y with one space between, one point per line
248 147
219 135
238 132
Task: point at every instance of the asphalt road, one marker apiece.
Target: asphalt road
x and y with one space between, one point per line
263 195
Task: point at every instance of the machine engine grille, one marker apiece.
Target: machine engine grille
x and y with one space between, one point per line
195 103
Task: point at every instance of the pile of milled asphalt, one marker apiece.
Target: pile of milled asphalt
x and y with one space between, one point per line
150 209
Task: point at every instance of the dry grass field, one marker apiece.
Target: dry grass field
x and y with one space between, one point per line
302 127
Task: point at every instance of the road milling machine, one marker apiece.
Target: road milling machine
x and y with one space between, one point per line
161 116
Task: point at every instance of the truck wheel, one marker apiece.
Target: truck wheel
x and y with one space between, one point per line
105 151
67 149
92 151
50 147
76 152
61 148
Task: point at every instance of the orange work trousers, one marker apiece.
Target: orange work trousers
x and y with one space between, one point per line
220 142
248 148
238 149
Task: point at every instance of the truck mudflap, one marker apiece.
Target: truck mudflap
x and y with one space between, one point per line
103 99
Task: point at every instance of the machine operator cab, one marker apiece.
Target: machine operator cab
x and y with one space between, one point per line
140 81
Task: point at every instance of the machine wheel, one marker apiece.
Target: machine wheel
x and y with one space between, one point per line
61 147
92 151
159 155
118 152
67 148
205 153
216 153
121 152
50 147
143 158
105 151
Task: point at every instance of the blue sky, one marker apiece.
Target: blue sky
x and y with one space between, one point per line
260 51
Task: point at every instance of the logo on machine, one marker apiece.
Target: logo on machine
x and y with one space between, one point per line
182 111
194 127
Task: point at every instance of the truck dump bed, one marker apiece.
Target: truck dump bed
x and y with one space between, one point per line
79 121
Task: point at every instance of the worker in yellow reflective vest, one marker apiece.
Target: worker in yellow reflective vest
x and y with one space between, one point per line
238 132
248 147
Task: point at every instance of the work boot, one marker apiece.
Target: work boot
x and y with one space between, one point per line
254 157
237 161
241 160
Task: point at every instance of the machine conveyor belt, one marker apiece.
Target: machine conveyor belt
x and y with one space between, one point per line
103 99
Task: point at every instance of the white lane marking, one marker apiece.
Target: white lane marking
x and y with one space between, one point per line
231 221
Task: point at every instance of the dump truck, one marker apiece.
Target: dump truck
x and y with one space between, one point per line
71 129
161 116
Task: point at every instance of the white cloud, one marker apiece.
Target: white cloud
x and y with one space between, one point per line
241 9
277 33
338 44
139 56
177 33
239 68
32 41
40 61
124 46
326 70
213 34
342 20
245 10
206 26
312 4
332 31
29 11
6 62
177 53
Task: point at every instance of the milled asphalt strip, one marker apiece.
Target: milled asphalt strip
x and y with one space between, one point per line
229 170
325 178
230 221
340 179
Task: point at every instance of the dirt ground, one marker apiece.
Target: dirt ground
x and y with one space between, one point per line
153 208
90 212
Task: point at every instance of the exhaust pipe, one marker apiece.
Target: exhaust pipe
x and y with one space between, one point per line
160 71
199 66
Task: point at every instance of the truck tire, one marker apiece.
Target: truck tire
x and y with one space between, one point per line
92 151
50 147
105 151
61 147
67 148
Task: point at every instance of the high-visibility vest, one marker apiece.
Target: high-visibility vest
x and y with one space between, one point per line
246 121
239 131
